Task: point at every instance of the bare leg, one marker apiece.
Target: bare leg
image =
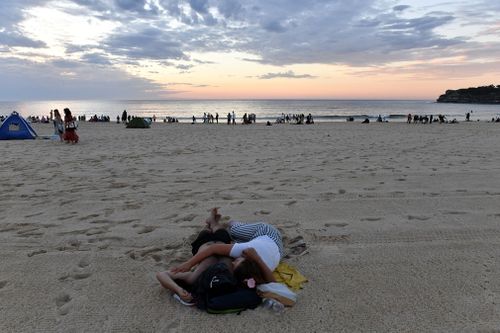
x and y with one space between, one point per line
191 277
168 283
213 222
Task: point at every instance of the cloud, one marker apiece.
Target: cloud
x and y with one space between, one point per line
400 8
357 33
145 43
11 14
96 58
279 32
287 75
25 80
273 26
184 67
13 39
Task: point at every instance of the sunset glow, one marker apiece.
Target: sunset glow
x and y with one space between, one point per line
161 49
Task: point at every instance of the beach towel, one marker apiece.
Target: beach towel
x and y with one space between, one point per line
289 275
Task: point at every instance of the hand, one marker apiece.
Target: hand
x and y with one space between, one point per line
251 254
185 267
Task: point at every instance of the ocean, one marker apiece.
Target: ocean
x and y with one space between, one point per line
322 110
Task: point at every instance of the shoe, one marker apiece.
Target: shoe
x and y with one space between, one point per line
183 302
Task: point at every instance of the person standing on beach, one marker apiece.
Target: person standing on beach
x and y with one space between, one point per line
229 118
58 124
124 116
69 127
233 116
217 117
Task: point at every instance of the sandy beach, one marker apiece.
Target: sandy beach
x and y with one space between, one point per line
402 224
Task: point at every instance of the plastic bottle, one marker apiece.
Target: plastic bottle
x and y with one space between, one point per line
274 305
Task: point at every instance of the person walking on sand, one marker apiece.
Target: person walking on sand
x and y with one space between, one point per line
69 127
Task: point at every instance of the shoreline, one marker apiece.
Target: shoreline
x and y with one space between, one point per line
264 110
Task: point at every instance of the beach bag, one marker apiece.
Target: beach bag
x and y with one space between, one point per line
216 291
71 125
277 291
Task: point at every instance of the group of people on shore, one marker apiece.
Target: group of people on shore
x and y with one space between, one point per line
209 118
424 119
249 251
298 119
65 128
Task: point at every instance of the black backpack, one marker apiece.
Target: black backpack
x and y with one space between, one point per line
215 281
217 291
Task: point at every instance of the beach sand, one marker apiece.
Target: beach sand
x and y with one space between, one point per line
402 224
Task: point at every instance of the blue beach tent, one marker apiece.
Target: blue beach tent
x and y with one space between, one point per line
16 128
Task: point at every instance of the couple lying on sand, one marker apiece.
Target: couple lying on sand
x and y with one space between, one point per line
255 253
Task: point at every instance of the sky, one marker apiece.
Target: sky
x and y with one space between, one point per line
246 49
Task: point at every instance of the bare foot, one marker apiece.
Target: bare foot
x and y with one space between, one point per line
213 221
168 283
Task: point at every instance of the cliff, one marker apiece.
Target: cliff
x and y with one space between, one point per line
479 95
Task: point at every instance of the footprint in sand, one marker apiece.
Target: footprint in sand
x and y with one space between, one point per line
454 213
141 253
171 216
186 218
96 231
371 219
62 303
189 205
146 229
33 232
91 216
34 253
262 212
419 218
339 225
75 276
84 262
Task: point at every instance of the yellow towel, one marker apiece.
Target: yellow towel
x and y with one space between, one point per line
289 275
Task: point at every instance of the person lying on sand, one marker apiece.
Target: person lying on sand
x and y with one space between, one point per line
257 255
257 251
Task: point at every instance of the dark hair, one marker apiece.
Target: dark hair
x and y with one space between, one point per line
248 269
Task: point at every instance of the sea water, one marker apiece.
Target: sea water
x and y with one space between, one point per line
265 110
